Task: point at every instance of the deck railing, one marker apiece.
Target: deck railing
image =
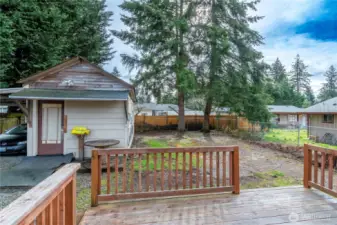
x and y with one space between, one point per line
53 201
161 172
315 157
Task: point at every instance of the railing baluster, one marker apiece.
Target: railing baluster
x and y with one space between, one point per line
204 177
132 173
139 172
56 210
315 166
108 174
184 170
177 168
62 207
217 169
170 172
323 168
41 219
155 172
49 214
124 173
224 177
211 168
99 174
116 173
162 172
147 172
230 168
330 171
191 170
198 171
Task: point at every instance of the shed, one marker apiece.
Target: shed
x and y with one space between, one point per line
75 93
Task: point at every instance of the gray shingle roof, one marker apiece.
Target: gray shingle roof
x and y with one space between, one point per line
61 94
328 106
284 109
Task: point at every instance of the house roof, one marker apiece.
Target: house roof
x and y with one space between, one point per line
159 107
61 94
328 106
284 109
9 90
66 64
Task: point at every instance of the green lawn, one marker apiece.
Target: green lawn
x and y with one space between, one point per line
155 143
290 137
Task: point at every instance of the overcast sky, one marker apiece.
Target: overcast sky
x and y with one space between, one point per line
289 27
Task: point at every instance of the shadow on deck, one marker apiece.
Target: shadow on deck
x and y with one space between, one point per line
286 205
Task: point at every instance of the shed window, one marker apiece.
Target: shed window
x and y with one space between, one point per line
328 118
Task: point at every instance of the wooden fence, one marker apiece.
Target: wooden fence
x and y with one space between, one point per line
193 122
53 201
179 171
318 180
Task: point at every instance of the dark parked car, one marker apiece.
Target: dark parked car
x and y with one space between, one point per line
14 140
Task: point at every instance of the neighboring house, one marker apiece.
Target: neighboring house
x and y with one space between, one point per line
75 93
287 115
322 119
153 109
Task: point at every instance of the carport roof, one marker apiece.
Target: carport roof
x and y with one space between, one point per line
61 94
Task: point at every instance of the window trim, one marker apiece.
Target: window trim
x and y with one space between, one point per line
328 121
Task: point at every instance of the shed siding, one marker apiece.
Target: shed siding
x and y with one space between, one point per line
105 120
318 128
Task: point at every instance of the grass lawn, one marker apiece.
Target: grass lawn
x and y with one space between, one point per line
155 143
285 136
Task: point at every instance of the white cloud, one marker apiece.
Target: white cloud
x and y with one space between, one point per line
279 14
316 54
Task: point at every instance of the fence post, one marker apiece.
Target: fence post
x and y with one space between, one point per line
307 166
236 171
94 178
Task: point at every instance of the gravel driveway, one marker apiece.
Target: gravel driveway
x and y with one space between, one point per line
7 195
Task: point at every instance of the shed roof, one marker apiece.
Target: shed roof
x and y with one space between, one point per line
61 94
328 106
284 109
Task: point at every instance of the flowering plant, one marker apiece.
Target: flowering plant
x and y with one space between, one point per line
80 130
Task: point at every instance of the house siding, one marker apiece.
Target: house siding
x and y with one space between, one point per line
105 120
318 128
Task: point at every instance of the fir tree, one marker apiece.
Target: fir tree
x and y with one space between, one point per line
329 89
38 34
277 71
229 58
309 94
158 30
299 77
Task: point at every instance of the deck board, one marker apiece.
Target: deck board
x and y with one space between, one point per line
291 205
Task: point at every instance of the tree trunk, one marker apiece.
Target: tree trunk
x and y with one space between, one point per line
181 111
207 112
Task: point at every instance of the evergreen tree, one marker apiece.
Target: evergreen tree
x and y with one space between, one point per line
299 77
309 94
158 30
329 89
116 72
229 57
37 34
277 71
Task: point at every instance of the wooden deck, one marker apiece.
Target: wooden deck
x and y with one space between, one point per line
288 205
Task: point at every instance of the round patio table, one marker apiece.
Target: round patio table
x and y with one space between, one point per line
101 144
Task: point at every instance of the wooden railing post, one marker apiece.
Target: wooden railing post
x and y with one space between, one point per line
236 170
94 178
70 204
307 166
